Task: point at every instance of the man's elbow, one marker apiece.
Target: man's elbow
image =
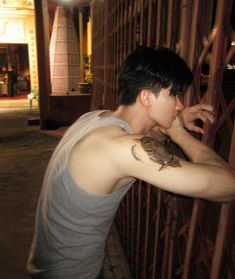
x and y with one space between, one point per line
226 191
222 189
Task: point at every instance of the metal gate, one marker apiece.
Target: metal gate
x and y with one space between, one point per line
165 235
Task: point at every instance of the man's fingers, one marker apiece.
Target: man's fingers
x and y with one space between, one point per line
205 116
195 128
198 130
200 107
206 107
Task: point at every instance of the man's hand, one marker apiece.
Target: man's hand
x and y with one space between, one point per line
203 112
186 119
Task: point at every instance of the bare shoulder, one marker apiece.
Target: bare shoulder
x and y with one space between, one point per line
102 138
93 161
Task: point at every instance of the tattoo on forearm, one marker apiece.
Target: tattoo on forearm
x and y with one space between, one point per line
156 152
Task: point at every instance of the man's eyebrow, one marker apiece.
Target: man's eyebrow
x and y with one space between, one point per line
157 152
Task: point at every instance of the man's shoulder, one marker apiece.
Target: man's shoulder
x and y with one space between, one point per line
110 133
101 138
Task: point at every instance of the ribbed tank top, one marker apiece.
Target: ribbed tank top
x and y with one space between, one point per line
72 224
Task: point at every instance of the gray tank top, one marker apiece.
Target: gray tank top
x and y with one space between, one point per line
72 224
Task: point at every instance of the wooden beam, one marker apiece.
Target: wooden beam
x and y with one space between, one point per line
42 40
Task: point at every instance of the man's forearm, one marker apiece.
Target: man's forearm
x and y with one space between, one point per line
195 150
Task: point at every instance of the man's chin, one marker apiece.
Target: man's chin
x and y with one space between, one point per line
167 126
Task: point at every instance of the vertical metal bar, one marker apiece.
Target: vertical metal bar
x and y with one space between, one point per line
166 239
138 229
132 226
232 150
156 235
105 53
169 23
130 16
114 60
223 10
172 238
220 241
121 33
128 220
149 27
193 46
118 33
141 11
124 221
225 218
135 23
197 208
125 40
186 7
146 229
186 11
121 226
158 23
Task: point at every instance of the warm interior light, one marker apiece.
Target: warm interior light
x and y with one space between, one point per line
89 37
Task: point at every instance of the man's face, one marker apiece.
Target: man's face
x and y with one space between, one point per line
165 108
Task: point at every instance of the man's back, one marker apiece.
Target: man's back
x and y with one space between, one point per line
72 223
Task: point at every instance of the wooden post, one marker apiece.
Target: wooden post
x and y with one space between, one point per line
43 39
81 44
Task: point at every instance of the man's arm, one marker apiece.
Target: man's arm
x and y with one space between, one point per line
195 150
208 176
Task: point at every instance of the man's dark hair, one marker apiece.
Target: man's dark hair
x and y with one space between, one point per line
153 69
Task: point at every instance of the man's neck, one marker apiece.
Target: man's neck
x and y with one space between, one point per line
135 117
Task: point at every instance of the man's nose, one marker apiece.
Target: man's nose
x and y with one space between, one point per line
179 105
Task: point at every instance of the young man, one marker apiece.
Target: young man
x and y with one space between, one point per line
104 152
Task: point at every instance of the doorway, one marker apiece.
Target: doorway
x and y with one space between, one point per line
14 75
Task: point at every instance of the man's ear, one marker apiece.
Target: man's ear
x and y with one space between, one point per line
145 97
